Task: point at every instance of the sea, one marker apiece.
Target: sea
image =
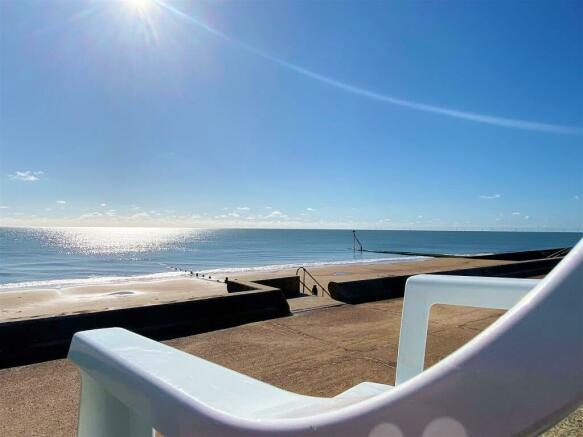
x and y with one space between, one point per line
59 257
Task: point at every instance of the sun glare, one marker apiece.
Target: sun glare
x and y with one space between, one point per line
140 6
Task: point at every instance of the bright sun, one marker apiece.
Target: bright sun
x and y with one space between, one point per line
139 6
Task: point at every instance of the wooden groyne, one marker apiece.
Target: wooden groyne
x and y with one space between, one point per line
508 256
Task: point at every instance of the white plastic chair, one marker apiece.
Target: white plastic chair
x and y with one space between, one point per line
518 377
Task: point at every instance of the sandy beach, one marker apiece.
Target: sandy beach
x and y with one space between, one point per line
44 302
353 272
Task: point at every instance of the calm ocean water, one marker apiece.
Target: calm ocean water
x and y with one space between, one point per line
62 256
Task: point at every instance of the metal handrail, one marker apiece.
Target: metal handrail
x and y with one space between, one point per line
304 286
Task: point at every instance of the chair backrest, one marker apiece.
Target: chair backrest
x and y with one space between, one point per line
518 377
424 291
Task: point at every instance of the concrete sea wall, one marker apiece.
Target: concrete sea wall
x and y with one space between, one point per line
391 287
35 340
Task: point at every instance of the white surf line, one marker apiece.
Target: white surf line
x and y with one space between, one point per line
455 113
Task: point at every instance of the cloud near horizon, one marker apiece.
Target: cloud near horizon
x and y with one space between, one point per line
278 221
276 215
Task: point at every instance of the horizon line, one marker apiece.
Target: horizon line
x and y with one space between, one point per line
421 229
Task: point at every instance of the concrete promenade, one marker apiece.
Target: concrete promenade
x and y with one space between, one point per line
319 352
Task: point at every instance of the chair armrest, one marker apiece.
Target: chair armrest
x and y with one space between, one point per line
423 291
131 384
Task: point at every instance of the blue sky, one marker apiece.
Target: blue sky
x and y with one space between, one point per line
429 115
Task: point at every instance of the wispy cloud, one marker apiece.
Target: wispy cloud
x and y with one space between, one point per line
576 197
4 207
243 208
276 215
515 213
27 176
490 196
90 215
373 95
100 217
62 202
140 215
103 205
310 209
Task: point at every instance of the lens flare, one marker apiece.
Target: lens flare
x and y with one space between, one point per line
139 6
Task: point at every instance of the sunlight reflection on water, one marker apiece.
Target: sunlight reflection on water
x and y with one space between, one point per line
94 240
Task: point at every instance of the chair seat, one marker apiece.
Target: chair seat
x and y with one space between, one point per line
307 406
364 390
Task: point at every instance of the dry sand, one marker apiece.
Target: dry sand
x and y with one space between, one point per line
34 303
27 304
353 272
